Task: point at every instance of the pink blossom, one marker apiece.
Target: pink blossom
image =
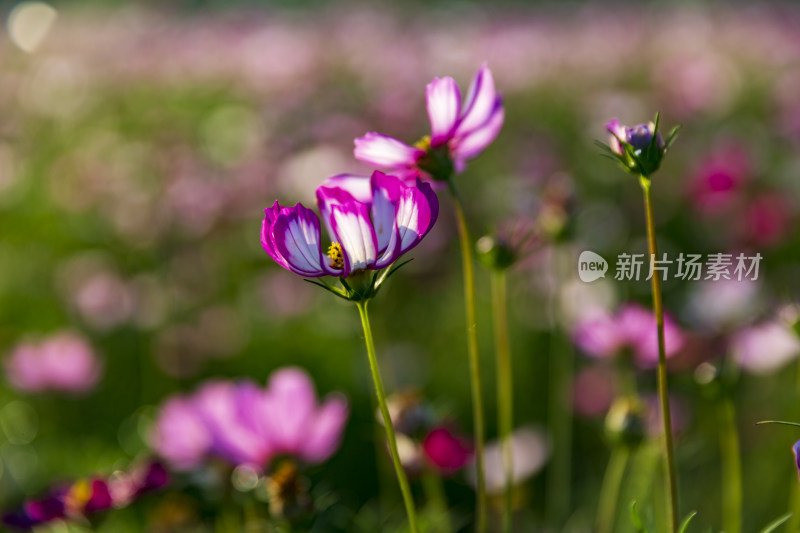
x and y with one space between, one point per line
765 347
243 423
632 327
446 451
63 362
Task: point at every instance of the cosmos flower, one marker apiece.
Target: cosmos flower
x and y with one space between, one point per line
764 348
458 132
242 423
369 231
63 362
530 451
632 327
445 451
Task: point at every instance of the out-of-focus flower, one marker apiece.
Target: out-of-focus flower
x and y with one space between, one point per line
767 220
625 421
594 388
639 148
512 242
367 235
718 178
725 303
529 450
244 424
458 133
446 451
63 362
765 347
632 327
86 497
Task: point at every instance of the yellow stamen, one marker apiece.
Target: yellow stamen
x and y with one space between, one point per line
336 256
424 143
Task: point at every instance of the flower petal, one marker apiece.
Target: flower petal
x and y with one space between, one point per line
358 186
288 408
386 193
295 237
480 105
325 431
475 141
416 214
179 434
444 106
354 232
385 152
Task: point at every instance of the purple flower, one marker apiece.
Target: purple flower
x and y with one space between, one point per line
242 423
639 148
458 132
64 362
369 230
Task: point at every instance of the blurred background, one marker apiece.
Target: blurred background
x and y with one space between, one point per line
140 143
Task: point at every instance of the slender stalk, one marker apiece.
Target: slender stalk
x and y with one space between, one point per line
560 364
663 395
474 359
437 500
609 492
408 499
505 391
731 467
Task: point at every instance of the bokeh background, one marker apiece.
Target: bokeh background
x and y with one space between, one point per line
139 145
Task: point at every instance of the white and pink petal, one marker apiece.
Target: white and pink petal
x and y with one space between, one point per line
383 151
444 106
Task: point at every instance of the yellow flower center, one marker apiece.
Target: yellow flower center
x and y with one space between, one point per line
79 494
424 143
336 256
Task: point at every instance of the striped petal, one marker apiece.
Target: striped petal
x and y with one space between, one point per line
386 193
358 186
353 230
417 212
475 141
385 152
480 104
294 237
444 105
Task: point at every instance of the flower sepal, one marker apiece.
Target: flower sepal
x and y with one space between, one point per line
639 148
360 286
436 161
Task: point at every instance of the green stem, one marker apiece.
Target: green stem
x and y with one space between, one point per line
609 492
505 391
437 500
408 499
731 467
474 360
663 395
559 401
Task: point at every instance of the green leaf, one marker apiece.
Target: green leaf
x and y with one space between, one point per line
772 526
781 422
685 523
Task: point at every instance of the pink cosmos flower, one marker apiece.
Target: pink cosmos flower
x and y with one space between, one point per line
764 348
63 362
242 423
458 132
632 327
370 228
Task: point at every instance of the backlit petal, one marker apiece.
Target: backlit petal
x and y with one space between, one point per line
353 229
444 105
296 237
385 152
480 104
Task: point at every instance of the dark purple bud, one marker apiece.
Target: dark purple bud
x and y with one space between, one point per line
100 499
155 477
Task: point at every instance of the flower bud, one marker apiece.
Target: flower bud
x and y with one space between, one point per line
625 422
639 148
494 253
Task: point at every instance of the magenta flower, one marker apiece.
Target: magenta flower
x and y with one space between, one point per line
796 452
446 451
244 424
458 133
632 327
64 362
369 230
